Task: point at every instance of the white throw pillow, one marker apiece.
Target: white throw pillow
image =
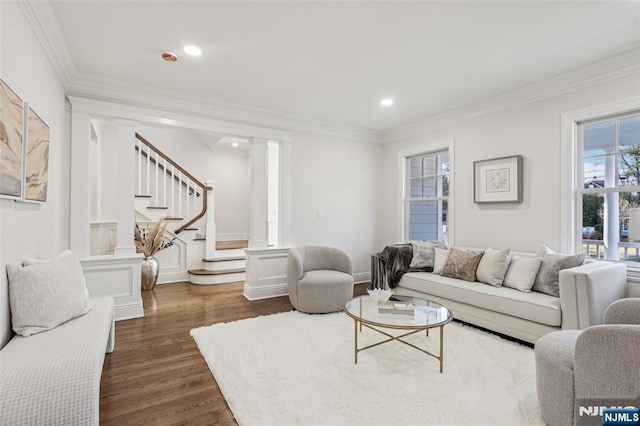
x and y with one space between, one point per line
522 273
441 256
67 252
423 253
44 295
493 266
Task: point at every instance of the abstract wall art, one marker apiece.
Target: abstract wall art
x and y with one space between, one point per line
36 175
11 143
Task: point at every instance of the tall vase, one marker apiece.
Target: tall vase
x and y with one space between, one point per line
150 270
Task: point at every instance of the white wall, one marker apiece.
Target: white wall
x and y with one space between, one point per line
533 131
336 196
33 230
230 172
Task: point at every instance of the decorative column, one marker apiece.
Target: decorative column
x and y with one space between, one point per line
611 211
121 134
286 179
79 211
210 227
258 203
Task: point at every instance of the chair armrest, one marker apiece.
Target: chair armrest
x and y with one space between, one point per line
295 268
341 261
623 311
586 291
606 362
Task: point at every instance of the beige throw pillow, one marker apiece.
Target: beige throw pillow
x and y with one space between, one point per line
440 260
522 273
424 254
462 264
43 296
493 266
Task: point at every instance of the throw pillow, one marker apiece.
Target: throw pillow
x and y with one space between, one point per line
440 260
493 266
44 295
522 273
548 278
67 252
424 253
462 264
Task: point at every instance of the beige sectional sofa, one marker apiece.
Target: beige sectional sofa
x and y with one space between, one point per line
585 293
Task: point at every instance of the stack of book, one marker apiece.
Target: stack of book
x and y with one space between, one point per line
394 307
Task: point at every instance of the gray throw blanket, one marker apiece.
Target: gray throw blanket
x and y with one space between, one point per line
396 260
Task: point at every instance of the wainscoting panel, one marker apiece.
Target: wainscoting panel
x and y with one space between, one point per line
117 277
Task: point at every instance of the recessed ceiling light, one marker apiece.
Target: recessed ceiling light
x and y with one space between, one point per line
235 144
386 102
193 50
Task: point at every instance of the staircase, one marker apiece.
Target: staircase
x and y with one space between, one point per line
165 189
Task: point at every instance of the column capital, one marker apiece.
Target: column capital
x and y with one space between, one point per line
258 141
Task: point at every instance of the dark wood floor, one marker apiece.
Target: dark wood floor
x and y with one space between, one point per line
156 375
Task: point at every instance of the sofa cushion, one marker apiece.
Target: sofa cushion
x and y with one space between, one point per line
522 273
493 266
441 256
538 307
44 295
548 278
424 253
462 264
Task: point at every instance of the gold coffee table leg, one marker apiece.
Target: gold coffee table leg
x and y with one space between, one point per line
441 357
355 340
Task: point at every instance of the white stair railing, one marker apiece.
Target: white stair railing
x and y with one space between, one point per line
169 179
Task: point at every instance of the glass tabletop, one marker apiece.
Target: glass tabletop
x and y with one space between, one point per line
408 312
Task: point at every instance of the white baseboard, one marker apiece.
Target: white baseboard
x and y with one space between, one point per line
362 277
125 312
265 291
173 277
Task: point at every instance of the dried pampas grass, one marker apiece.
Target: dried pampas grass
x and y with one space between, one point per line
149 241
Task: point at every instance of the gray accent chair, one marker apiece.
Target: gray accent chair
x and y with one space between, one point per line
319 278
601 362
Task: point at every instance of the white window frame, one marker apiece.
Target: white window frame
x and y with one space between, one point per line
570 170
402 212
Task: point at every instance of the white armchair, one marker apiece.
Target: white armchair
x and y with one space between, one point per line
319 278
600 363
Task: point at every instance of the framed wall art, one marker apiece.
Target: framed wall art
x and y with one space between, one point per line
36 175
11 143
498 180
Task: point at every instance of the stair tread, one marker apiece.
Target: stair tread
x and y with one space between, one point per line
190 229
226 271
174 218
222 259
142 196
158 208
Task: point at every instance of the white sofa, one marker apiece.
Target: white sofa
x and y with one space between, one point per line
53 377
585 293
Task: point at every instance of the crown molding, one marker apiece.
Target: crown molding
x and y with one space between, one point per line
614 67
118 111
42 20
174 102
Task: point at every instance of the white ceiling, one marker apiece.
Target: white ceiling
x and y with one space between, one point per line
334 61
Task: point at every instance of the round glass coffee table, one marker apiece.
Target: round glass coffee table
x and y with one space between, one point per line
403 313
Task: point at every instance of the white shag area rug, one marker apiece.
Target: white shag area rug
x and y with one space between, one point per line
297 369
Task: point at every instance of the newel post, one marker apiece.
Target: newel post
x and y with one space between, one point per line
210 227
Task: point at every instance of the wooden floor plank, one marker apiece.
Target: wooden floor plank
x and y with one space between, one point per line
156 375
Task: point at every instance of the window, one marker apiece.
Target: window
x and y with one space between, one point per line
610 186
426 196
